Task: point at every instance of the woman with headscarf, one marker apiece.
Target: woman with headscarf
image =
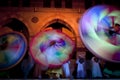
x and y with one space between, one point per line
66 69
96 71
80 68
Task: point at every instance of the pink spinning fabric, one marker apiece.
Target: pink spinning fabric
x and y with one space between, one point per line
51 48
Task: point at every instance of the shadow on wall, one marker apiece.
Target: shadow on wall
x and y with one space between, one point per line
17 25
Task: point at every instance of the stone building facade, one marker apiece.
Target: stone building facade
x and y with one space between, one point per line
33 16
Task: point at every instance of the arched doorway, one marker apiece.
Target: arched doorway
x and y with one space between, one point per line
65 28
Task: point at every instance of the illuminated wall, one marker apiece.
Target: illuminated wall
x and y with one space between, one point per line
36 19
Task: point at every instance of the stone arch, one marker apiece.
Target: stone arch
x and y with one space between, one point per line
17 23
61 22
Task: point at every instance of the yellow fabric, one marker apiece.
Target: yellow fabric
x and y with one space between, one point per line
55 70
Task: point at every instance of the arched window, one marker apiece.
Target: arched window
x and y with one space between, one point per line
88 4
25 3
46 3
58 3
15 3
68 3
98 2
4 3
